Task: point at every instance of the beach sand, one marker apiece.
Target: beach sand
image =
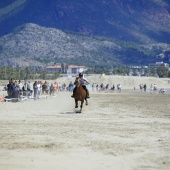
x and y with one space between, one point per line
123 131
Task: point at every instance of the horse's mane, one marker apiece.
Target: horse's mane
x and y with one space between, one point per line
77 81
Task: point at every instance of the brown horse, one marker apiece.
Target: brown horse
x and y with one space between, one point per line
80 94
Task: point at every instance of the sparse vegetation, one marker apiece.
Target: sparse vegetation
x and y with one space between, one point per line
25 74
80 50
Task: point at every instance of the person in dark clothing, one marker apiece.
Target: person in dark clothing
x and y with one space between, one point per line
35 88
10 88
113 87
15 93
145 87
51 89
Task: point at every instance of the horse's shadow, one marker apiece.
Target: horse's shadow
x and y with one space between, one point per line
69 112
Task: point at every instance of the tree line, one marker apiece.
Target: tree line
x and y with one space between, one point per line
6 73
160 71
26 73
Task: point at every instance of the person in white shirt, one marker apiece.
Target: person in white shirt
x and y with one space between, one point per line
20 87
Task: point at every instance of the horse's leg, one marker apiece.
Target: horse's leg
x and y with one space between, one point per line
76 103
81 106
86 102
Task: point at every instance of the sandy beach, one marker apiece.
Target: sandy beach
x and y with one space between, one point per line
123 131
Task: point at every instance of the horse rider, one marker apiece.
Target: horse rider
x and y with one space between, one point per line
83 82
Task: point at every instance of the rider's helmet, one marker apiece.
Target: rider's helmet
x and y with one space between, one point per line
80 75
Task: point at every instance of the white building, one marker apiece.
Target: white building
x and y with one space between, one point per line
157 65
138 70
73 69
54 68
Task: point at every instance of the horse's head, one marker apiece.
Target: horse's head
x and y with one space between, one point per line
77 82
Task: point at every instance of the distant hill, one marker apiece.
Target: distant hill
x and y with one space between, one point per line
96 33
31 45
142 21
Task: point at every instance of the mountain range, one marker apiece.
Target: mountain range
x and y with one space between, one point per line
92 32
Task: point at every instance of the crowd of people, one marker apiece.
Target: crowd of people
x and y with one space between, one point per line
106 88
15 89
143 87
18 89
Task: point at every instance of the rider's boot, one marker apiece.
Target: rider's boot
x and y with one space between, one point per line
74 91
87 93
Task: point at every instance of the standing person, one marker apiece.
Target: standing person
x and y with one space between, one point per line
35 88
10 88
51 89
5 88
55 87
97 87
48 88
93 87
39 89
64 86
101 87
28 86
107 87
144 87
151 88
141 87
119 87
83 83
20 87
154 87
15 93
59 87
45 87
113 87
